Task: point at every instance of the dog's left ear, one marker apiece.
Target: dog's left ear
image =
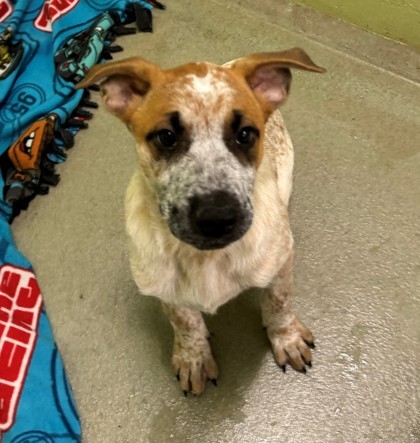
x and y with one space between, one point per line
268 73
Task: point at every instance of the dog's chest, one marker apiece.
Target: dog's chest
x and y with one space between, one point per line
205 281
204 284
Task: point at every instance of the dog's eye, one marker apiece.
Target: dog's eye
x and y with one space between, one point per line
166 138
246 136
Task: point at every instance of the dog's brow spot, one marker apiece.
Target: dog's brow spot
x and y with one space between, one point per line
213 82
207 84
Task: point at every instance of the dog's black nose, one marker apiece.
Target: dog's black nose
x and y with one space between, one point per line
215 215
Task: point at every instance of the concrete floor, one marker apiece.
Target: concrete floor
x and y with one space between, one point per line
355 214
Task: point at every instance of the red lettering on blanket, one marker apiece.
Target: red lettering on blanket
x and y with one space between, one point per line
5 307
21 318
6 394
51 11
11 356
9 282
6 8
20 307
28 297
18 334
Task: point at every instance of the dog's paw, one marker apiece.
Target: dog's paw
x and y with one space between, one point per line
292 344
194 365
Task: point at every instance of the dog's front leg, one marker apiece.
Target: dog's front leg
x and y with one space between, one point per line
290 339
192 358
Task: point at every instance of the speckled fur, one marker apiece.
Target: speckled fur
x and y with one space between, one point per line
204 280
164 264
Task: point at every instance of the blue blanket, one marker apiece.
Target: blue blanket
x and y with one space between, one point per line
45 47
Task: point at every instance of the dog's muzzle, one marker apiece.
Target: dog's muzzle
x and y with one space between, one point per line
215 220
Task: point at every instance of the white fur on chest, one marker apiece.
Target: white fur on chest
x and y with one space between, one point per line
177 273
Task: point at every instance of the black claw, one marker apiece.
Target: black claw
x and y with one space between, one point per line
302 370
185 393
177 376
214 381
283 368
309 363
310 344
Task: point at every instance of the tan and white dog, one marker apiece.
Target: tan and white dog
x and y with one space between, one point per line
206 209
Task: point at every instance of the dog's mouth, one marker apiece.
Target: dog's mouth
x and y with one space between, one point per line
212 221
207 243
210 243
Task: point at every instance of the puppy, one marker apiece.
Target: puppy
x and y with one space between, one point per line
206 209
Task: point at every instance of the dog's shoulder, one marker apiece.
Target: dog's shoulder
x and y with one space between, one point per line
278 155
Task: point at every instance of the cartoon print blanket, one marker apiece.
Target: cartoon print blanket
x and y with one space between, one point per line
45 47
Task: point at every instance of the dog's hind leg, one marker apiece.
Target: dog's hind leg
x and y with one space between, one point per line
192 358
290 339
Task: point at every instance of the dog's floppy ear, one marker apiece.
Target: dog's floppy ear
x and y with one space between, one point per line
123 83
268 73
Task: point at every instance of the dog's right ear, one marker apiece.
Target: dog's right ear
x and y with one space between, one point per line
123 84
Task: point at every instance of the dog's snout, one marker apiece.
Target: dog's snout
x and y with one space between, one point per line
215 215
214 223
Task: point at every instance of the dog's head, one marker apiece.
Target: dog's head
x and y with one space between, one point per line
199 130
